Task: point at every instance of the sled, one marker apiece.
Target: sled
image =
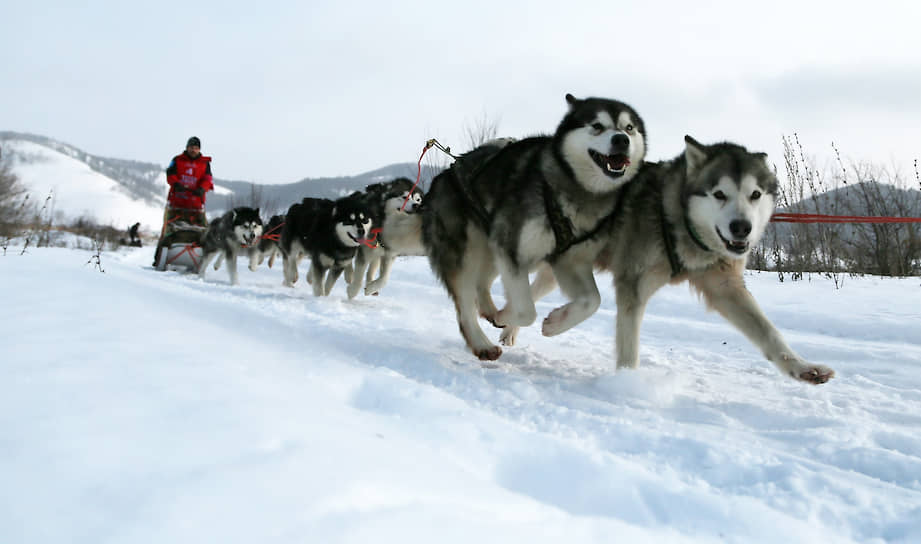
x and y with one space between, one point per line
180 241
182 257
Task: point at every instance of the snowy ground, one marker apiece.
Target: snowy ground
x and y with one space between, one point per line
138 406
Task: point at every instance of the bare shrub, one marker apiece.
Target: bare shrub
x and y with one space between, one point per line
257 200
836 250
14 203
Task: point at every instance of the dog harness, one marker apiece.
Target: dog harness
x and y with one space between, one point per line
563 230
479 211
668 238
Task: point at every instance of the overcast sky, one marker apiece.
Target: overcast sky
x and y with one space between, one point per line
279 91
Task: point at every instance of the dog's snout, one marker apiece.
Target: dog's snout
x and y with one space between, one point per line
620 141
740 228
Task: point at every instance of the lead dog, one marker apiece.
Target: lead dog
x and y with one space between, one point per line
693 219
537 200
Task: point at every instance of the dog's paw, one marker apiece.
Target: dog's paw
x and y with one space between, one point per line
506 317
489 354
815 374
373 288
509 336
554 322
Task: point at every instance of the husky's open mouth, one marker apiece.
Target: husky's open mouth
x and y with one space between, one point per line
370 242
613 165
735 246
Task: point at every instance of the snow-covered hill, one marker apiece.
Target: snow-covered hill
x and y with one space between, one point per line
138 406
78 190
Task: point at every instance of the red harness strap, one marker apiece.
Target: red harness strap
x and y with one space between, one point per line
820 218
274 237
190 249
372 241
428 145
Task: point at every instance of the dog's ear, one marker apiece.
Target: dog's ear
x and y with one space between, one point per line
257 212
695 154
234 216
571 101
333 212
764 157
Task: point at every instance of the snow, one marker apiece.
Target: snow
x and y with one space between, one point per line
140 406
80 191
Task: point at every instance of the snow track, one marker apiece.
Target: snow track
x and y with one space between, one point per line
141 406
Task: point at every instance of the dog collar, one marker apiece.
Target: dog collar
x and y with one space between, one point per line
668 237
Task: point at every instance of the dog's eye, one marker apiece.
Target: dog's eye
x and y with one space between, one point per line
719 195
756 195
598 127
629 129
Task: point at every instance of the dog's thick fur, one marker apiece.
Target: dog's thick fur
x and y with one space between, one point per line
536 200
693 219
395 208
329 232
235 232
269 244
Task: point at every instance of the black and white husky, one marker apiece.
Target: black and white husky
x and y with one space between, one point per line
327 231
235 232
694 219
397 231
536 200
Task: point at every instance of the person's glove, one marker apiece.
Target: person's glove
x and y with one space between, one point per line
199 192
179 188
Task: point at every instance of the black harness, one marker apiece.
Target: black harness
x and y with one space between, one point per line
563 230
482 216
562 227
668 237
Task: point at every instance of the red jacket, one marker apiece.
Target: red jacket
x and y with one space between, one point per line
190 174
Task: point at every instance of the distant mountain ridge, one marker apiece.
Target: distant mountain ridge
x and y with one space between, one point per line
142 181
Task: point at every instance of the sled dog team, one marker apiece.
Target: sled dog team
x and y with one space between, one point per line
561 205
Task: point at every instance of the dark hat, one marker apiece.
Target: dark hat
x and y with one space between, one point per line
193 141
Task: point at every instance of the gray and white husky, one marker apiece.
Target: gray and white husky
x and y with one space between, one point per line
398 225
235 232
537 200
693 219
